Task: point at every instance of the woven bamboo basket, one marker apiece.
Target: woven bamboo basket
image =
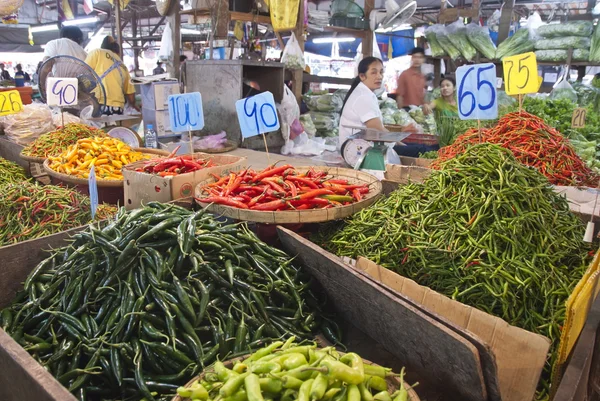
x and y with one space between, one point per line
32 159
393 382
229 146
301 216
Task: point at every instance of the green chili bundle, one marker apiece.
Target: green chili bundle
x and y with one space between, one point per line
55 142
145 302
485 230
11 172
29 210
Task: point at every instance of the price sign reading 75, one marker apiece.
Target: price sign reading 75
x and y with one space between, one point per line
520 74
477 98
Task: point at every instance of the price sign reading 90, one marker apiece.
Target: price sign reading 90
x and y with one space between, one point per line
477 98
257 114
521 74
61 92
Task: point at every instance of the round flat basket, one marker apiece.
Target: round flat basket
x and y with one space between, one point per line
32 159
76 181
229 146
302 216
393 382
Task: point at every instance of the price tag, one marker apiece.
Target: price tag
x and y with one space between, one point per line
93 188
185 112
578 120
520 74
61 92
10 102
477 97
257 114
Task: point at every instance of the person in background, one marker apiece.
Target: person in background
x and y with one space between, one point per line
182 77
36 74
115 77
411 83
69 44
445 105
158 70
22 74
4 74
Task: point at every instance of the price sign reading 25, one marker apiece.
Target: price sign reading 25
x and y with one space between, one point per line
477 99
520 74
185 112
10 102
61 92
257 114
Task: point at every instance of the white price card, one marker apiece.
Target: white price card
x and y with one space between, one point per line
257 114
93 189
61 92
477 97
185 112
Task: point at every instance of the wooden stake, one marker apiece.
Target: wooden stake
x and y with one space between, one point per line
520 103
62 114
191 143
479 129
266 147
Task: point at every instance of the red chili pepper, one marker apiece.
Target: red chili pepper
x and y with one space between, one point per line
315 193
223 201
356 194
271 172
270 206
308 182
276 187
292 187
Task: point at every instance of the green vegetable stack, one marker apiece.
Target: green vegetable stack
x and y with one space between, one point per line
486 231
557 39
11 173
293 372
479 36
144 303
516 44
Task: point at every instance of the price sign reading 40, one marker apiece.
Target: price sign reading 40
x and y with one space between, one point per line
185 112
521 74
61 92
477 98
257 114
10 102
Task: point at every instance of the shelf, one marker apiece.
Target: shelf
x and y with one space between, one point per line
327 80
233 15
340 29
540 63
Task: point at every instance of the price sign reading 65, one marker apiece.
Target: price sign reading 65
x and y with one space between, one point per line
477 98
520 74
10 102
257 114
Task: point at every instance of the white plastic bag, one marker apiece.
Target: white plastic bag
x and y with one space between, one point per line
596 10
376 49
533 23
166 45
292 55
391 157
289 111
563 90
494 21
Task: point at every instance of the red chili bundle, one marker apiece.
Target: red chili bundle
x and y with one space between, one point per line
175 165
533 143
282 188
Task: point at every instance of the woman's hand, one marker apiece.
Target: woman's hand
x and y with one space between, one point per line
427 109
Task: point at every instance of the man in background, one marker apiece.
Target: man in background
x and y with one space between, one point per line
69 44
158 70
411 83
4 75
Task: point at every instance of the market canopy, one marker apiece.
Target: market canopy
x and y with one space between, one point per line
15 38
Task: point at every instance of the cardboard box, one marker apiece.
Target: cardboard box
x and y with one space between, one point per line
143 187
415 161
159 120
155 95
402 174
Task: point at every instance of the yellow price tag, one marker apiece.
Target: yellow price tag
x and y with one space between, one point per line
520 74
10 102
578 120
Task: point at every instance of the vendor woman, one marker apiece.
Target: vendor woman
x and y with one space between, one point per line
444 106
361 107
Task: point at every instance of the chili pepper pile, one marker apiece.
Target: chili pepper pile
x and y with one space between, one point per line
485 230
142 304
293 372
108 155
282 188
11 172
29 210
175 165
533 143
55 142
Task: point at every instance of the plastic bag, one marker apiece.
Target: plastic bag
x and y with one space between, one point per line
215 141
166 44
402 117
563 90
289 112
391 157
388 103
389 120
494 21
292 56
533 23
431 35
595 46
596 10
325 121
26 126
309 126
442 37
576 42
517 44
562 55
457 33
575 28
326 102
479 36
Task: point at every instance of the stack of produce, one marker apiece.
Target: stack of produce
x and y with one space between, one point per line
557 39
282 188
55 142
534 143
431 33
26 126
479 36
175 165
325 111
308 125
442 37
288 371
427 122
485 230
519 43
108 155
595 46
11 173
140 306
29 210
394 116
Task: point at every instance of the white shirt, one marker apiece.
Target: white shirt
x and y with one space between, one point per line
362 106
64 47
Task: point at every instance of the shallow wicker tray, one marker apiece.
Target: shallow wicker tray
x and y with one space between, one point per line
229 146
33 159
302 216
393 382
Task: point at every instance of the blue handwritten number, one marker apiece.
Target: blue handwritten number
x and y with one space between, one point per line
262 117
62 93
253 113
462 95
481 83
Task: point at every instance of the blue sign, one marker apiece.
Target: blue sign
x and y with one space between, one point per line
257 114
93 188
477 97
185 112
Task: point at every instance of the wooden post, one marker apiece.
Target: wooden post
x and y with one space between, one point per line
298 74
367 43
174 20
119 32
136 47
505 19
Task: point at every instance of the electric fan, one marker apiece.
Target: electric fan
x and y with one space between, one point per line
10 7
395 13
90 87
